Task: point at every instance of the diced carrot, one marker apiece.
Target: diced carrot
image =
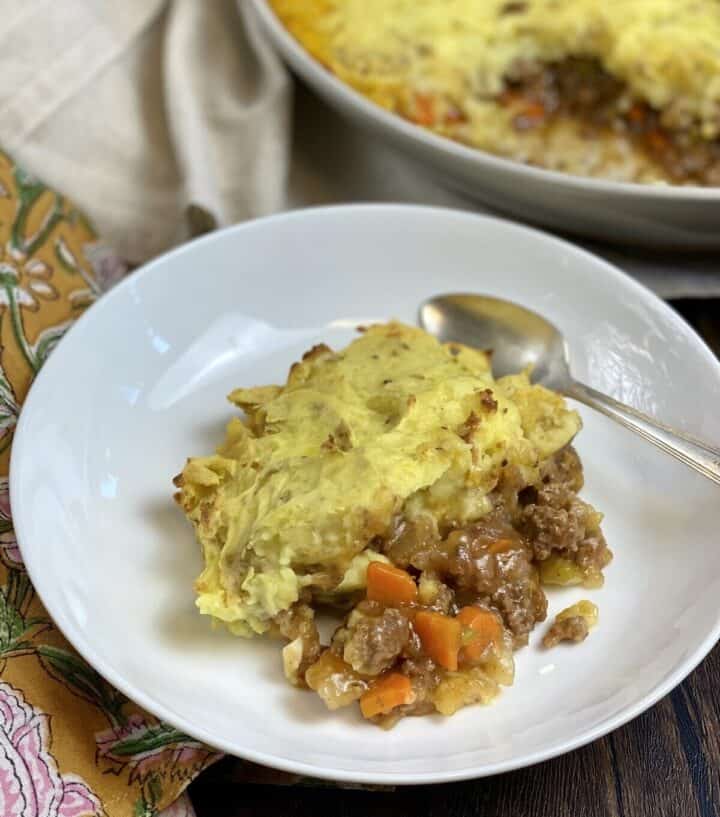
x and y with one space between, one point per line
500 546
424 109
533 111
385 694
440 637
637 113
658 141
484 629
390 585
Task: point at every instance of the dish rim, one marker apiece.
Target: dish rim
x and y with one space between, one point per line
312 70
78 640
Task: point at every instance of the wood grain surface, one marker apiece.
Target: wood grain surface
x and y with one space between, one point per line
665 763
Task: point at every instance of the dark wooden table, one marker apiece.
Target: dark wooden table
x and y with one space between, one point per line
665 763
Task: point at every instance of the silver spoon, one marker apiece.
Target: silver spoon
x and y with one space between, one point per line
521 338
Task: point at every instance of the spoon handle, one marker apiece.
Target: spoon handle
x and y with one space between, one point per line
698 455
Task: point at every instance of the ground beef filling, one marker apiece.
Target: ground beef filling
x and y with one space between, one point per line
297 626
573 629
373 638
491 566
494 562
582 89
556 522
497 564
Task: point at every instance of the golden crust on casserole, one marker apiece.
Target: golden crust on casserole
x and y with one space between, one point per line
445 66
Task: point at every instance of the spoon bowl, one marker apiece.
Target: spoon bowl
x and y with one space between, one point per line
520 339
517 337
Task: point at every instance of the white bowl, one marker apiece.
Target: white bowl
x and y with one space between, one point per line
139 383
622 213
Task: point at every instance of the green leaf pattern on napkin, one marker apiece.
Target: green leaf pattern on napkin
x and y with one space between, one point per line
51 267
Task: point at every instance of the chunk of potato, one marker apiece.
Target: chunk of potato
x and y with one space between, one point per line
459 689
335 681
558 570
584 608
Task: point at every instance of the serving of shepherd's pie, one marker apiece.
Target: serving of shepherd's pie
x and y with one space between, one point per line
398 480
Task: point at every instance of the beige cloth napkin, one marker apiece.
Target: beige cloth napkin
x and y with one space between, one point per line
138 108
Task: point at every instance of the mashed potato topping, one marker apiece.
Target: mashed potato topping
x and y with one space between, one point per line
319 471
665 50
446 65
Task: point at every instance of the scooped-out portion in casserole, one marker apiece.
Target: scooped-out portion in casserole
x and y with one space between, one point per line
627 90
399 485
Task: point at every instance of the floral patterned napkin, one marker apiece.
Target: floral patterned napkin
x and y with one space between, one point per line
70 744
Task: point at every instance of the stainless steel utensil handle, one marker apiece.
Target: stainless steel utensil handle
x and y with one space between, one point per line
695 453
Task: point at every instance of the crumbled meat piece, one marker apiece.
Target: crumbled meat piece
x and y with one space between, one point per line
298 621
560 521
501 577
565 467
508 492
372 643
298 626
554 518
557 521
584 87
593 555
576 85
424 676
521 601
413 543
581 88
574 629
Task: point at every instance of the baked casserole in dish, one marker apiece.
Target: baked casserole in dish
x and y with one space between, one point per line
625 90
